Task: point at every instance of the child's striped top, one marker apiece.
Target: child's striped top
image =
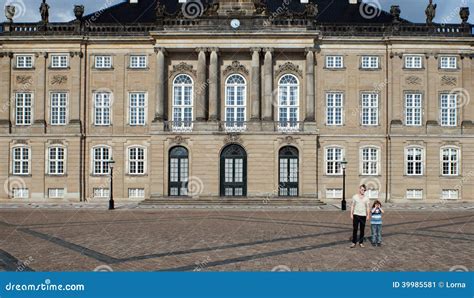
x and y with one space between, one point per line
376 217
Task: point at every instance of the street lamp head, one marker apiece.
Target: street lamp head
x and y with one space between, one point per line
344 163
111 164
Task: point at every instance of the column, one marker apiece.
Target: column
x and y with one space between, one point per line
160 84
213 84
310 85
268 77
41 96
255 88
200 85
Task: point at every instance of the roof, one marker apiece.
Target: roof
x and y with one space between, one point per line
329 11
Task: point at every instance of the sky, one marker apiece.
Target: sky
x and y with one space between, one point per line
62 10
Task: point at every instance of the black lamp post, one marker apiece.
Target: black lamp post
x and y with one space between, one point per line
343 203
111 190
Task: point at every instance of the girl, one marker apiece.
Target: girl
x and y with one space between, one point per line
376 223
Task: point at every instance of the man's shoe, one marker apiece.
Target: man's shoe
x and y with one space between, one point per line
352 245
361 245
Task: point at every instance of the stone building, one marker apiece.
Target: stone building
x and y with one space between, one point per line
227 98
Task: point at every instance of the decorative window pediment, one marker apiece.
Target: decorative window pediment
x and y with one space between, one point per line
183 67
289 67
236 67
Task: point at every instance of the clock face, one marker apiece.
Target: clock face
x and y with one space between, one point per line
235 23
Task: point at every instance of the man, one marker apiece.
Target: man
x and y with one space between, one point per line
360 212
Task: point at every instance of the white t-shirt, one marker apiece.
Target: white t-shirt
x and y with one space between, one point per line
360 205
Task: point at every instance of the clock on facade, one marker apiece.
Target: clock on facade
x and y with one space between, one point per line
235 23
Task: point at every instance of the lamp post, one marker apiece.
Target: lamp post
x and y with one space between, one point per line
343 203
111 190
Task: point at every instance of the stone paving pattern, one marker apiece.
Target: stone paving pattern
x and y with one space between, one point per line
229 240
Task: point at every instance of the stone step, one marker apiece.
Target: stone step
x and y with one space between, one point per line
234 201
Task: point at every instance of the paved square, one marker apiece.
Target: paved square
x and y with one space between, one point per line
230 240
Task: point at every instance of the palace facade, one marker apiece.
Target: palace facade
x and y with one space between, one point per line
241 98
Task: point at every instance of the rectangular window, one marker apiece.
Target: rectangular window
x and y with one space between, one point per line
450 161
137 108
414 61
448 62
21 193
56 156
370 161
414 161
448 109
136 159
101 159
56 193
450 194
101 193
58 108
138 61
103 61
102 103
23 108
370 109
21 161
413 109
333 161
333 193
334 62
24 61
334 108
414 194
59 61
136 193
370 62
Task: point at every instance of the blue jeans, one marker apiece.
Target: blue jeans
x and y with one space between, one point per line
376 233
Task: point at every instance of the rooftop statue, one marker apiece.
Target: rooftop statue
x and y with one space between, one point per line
44 10
430 12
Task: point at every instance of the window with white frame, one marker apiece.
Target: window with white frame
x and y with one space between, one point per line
450 194
370 62
56 158
414 194
102 104
23 108
56 193
101 159
138 61
414 161
334 157
137 108
288 102
334 108
59 61
334 61
450 161
369 160
136 160
183 102
21 193
58 108
414 61
103 61
24 61
21 160
235 102
448 109
448 62
334 193
136 193
413 109
101 193
370 108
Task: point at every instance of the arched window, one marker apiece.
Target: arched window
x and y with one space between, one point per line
334 156
370 158
450 161
235 103
178 171
233 171
21 160
289 174
56 160
414 161
288 102
182 102
101 156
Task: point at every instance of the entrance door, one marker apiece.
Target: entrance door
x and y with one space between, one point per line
288 164
233 167
178 171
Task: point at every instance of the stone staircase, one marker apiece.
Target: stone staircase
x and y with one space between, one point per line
222 201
